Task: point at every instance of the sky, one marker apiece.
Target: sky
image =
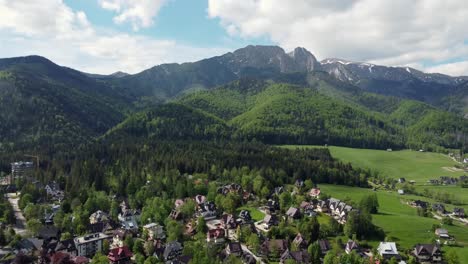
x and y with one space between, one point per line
105 36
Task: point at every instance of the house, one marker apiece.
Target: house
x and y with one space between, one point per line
66 246
89 245
350 246
208 210
48 232
229 221
53 191
118 237
401 192
234 248
299 183
269 246
427 253
278 190
175 214
155 231
388 250
103 227
442 233
459 212
314 192
172 251
300 242
216 236
245 216
98 217
297 257
434 181
420 204
293 213
401 180
270 220
322 206
120 255
439 208
200 199
128 219
324 246
272 206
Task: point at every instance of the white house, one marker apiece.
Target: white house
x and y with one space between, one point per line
388 250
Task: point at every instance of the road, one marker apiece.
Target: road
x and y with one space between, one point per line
20 227
246 249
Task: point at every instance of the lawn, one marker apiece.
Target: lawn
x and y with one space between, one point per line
408 164
398 219
254 212
412 165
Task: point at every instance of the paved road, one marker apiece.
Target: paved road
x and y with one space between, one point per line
246 249
20 227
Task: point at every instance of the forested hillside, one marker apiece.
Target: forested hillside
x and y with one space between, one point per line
47 108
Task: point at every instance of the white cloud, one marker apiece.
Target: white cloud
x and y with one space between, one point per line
398 32
140 13
50 28
455 68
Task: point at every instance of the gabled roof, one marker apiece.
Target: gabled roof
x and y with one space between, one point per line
119 253
324 245
426 249
292 212
351 245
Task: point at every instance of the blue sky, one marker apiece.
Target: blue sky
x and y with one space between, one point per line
185 21
104 36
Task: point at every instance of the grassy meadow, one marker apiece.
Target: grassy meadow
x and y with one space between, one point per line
399 220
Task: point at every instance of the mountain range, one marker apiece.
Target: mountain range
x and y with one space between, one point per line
257 92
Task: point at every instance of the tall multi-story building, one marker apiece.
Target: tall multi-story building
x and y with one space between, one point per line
89 245
22 169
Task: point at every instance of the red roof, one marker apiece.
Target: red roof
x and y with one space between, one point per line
119 253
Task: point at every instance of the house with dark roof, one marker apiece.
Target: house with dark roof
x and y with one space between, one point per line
48 232
234 248
324 246
419 204
269 246
120 255
172 251
300 242
245 216
459 212
299 257
439 208
229 221
350 246
66 246
272 205
427 253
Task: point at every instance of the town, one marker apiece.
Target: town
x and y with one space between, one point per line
295 223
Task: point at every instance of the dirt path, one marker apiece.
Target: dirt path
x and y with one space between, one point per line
20 227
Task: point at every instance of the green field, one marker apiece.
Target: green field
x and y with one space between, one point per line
408 164
412 165
398 219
